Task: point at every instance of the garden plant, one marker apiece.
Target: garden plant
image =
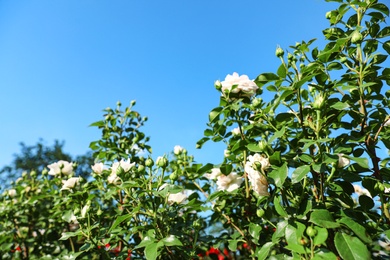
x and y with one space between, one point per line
305 173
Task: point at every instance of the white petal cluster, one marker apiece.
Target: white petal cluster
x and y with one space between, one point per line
258 180
178 149
342 161
361 191
177 197
229 182
215 172
236 131
11 192
239 84
70 183
98 168
113 178
59 167
125 165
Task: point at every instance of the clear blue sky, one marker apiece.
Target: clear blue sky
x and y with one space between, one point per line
63 61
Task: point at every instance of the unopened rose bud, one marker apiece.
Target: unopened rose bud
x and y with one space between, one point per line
263 145
118 104
279 52
173 176
140 168
162 162
45 172
33 174
149 162
319 101
218 85
356 37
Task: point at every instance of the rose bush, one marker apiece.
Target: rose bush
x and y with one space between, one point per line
305 173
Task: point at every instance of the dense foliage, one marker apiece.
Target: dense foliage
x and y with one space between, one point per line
305 174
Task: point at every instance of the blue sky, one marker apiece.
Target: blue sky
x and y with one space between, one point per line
63 61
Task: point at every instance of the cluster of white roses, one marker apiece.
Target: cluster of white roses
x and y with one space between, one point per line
64 168
113 178
255 167
238 85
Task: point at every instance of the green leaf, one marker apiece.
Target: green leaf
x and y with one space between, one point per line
323 218
214 114
119 220
299 173
254 148
151 251
324 254
265 78
264 251
358 229
386 46
340 106
280 230
171 241
279 209
98 123
363 162
275 158
381 8
67 216
321 237
282 72
254 230
293 239
67 235
350 248
226 168
279 175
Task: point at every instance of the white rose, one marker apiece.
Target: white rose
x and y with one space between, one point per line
361 191
387 123
235 84
178 149
98 168
70 183
215 172
125 165
60 167
342 161
12 192
177 197
236 131
229 182
257 158
258 180
113 178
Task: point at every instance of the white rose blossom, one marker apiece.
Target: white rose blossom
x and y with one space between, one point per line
177 197
387 123
361 191
236 131
60 167
229 182
215 172
178 149
342 161
12 192
113 178
125 165
70 183
235 84
258 180
98 168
